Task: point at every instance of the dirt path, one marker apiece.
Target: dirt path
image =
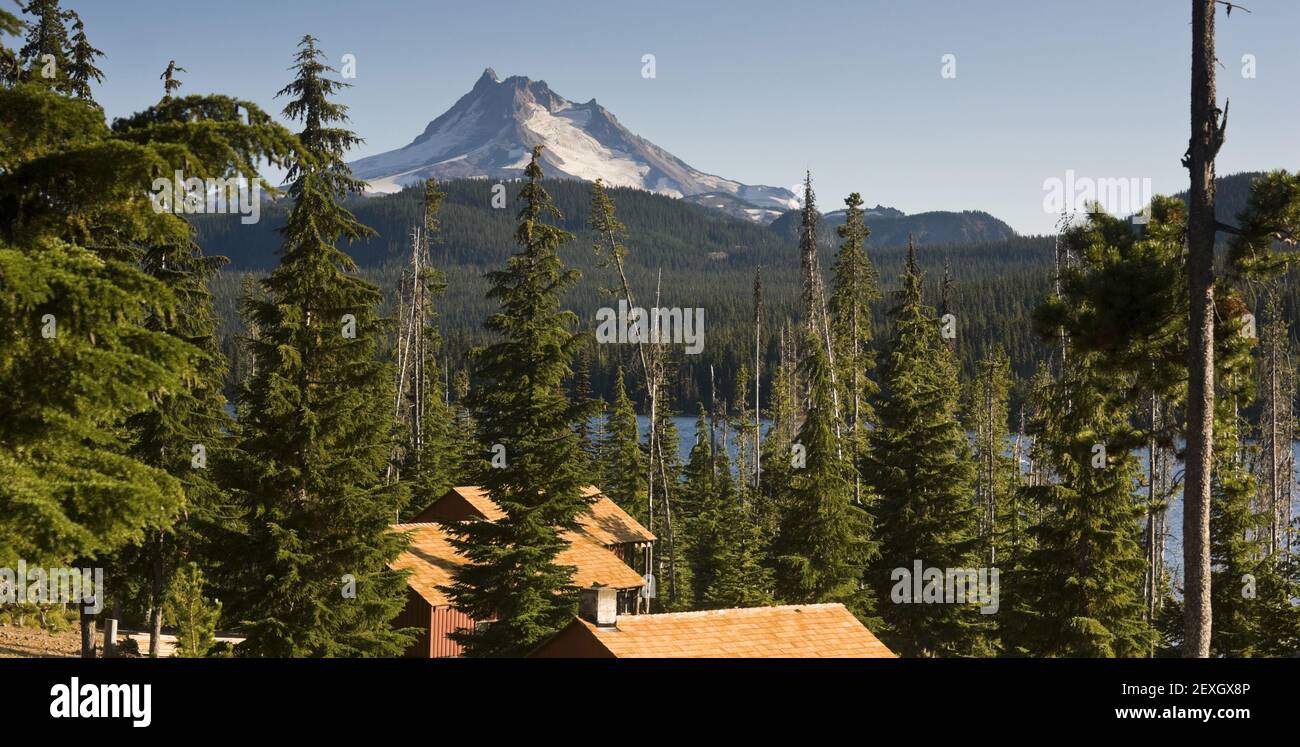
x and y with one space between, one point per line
28 643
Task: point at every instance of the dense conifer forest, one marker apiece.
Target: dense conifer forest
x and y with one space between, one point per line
209 410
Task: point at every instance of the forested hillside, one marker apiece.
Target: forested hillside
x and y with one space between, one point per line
707 259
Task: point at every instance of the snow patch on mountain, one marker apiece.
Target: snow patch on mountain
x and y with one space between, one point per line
490 132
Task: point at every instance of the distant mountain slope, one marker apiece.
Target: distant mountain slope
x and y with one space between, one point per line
891 227
1231 193
662 232
490 132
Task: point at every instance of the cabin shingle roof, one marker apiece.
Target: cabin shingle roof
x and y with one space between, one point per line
432 560
790 631
604 521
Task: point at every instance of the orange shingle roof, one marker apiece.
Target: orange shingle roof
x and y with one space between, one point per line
593 564
608 524
792 631
605 521
432 560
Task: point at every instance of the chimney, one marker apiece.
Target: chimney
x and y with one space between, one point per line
598 605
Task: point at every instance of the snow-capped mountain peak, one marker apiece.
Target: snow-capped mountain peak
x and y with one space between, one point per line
490 132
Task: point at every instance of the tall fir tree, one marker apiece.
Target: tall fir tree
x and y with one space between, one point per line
1078 592
622 461
823 544
725 547
855 288
317 429
1081 590
783 411
986 415
511 575
585 426
671 582
81 60
918 466
44 56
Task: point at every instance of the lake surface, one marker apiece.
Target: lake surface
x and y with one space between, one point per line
1173 523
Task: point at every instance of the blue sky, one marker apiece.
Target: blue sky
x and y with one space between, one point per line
758 91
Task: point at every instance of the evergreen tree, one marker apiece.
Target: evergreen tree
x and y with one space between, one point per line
186 433
986 415
669 551
744 426
170 81
823 544
587 430
724 553
918 465
855 289
45 55
777 449
510 575
623 464
1078 592
468 449
698 471
316 429
81 62
77 307
193 614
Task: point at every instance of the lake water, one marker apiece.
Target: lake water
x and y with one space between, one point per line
1173 523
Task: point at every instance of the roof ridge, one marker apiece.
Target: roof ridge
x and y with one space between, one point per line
747 610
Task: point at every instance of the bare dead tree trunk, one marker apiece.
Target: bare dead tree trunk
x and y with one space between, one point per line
713 436
1206 139
155 612
758 370
1155 514
668 524
648 365
817 318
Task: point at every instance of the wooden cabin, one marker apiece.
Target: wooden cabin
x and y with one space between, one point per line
790 632
606 536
